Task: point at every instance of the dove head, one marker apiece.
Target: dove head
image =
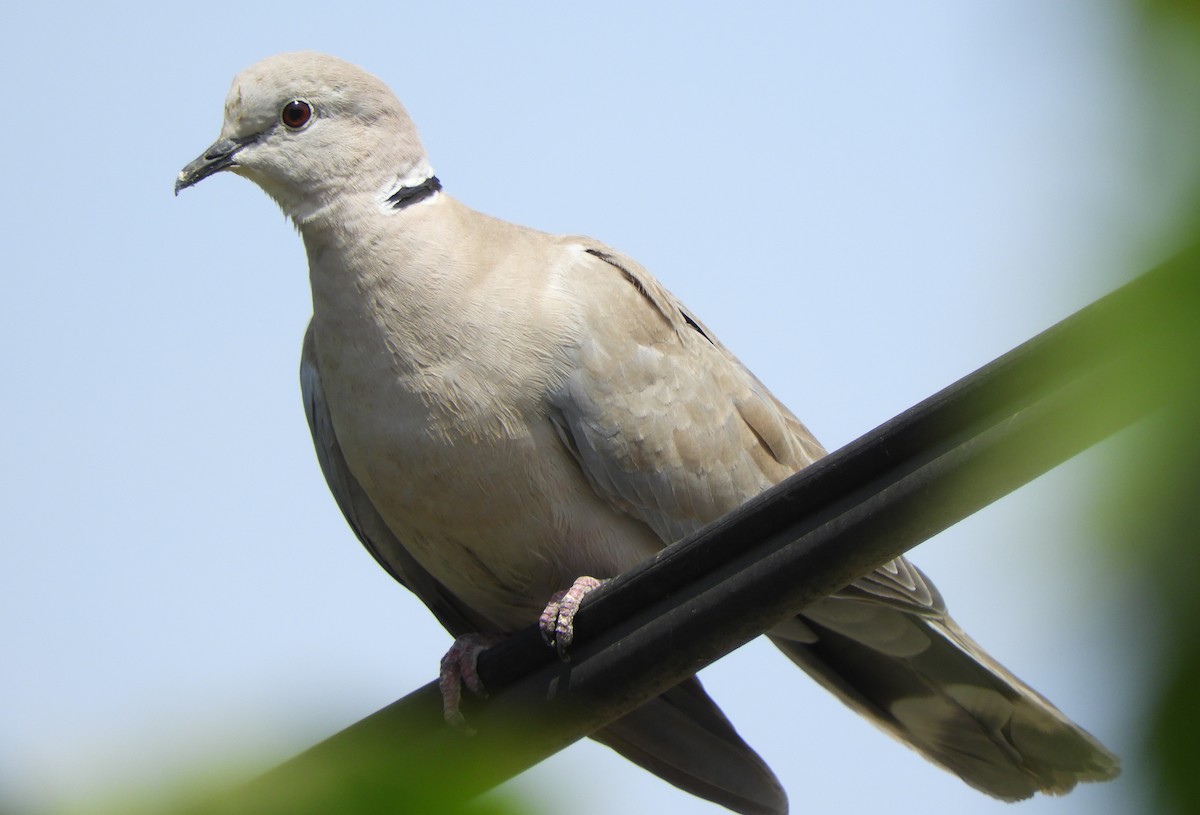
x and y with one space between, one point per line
309 128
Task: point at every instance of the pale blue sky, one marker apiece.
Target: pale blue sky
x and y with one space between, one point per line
864 200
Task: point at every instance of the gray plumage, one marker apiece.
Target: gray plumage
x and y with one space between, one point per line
498 411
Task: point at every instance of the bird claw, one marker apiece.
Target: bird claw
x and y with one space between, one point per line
459 666
459 669
557 622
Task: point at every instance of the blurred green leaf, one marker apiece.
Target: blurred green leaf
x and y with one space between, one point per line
1155 519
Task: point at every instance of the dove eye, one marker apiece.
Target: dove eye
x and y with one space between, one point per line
296 114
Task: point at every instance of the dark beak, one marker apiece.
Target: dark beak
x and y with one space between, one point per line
215 159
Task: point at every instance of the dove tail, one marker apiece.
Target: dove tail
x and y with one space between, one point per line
685 739
939 692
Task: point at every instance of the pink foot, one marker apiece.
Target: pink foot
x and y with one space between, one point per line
558 620
459 669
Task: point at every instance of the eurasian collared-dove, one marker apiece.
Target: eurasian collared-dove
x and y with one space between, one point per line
499 411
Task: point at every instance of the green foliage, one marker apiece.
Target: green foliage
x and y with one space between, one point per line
1154 523
365 779
1157 519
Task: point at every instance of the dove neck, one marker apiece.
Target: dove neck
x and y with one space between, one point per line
408 195
361 254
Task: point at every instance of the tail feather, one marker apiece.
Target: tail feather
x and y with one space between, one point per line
685 739
922 679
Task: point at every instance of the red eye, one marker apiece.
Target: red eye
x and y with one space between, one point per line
295 114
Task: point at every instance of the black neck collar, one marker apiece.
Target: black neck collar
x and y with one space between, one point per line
411 195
